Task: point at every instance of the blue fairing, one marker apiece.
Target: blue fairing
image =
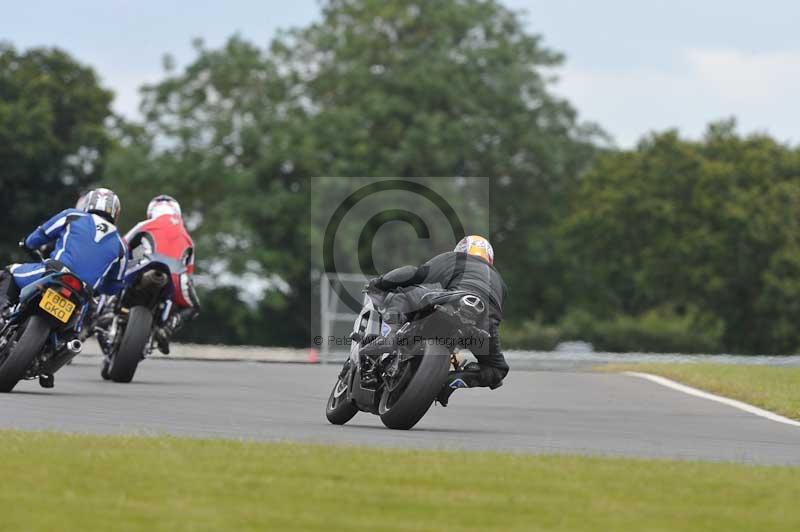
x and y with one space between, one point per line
33 291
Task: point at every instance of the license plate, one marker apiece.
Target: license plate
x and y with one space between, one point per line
57 305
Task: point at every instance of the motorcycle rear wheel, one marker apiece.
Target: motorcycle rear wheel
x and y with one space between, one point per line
123 363
405 411
27 347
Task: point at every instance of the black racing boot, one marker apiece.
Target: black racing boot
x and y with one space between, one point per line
9 294
6 308
162 336
47 381
4 312
468 377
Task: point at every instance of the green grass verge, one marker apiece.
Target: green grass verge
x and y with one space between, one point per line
774 388
63 482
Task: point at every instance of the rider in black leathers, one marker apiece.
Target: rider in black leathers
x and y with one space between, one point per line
468 268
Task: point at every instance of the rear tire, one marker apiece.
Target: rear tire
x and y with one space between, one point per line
340 409
124 362
23 353
420 393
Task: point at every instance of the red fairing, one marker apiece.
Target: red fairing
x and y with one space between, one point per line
171 239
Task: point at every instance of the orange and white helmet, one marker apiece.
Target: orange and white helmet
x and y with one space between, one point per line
476 245
161 205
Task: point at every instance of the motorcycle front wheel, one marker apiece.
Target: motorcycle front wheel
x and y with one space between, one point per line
340 409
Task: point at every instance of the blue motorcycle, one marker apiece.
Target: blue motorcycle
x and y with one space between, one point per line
41 334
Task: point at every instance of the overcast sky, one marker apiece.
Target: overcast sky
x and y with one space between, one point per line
632 65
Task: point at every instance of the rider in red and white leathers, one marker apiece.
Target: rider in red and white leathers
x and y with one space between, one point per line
164 233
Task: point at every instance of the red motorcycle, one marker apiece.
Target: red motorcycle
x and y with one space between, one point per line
127 335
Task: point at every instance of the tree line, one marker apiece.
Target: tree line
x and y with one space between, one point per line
674 245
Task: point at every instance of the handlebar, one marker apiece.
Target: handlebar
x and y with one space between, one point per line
35 254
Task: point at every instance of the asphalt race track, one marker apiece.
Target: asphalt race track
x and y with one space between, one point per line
536 411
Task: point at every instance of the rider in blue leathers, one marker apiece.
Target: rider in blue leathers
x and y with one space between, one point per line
86 242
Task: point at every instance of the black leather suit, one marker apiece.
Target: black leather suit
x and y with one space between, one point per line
453 271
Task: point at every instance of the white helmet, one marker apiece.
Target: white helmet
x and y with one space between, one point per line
103 202
161 205
477 246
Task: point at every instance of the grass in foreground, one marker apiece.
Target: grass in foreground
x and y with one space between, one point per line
774 388
62 482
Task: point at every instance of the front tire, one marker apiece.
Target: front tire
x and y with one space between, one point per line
340 409
124 362
418 396
22 353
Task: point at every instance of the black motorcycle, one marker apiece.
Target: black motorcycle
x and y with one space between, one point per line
41 334
400 386
126 326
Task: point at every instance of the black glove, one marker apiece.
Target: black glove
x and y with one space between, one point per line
46 249
372 285
22 245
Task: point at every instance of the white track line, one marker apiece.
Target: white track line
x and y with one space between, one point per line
711 397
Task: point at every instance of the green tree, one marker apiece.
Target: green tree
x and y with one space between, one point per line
213 137
451 88
385 89
52 137
709 228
